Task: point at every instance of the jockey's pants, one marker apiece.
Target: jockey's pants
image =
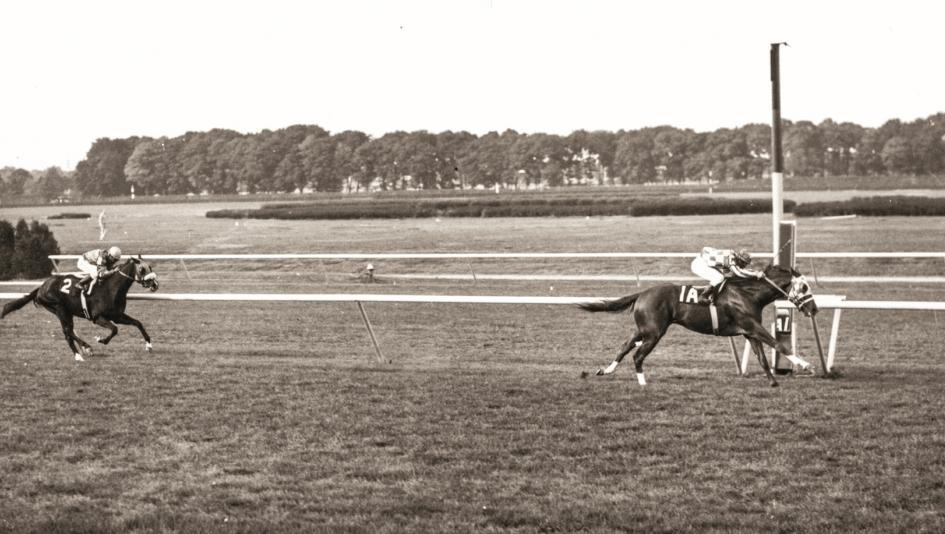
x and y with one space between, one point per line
703 270
88 268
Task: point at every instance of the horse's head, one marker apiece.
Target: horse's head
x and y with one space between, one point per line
794 286
142 273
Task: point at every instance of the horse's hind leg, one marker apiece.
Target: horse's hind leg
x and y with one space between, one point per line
126 319
624 350
105 323
649 343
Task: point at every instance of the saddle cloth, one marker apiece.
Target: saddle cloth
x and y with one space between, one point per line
690 295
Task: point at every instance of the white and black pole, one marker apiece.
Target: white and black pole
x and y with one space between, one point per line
783 234
777 158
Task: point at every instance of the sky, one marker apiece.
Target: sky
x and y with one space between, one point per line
72 72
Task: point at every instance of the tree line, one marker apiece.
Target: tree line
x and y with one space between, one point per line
25 250
307 157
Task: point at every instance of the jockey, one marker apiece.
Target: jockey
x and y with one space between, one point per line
96 264
715 265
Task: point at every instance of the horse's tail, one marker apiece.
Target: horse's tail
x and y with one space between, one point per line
19 303
612 306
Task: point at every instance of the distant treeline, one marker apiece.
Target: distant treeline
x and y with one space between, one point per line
307 157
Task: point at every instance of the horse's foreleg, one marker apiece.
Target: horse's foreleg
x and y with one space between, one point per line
126 319
759 349
625 349
69 332
105 323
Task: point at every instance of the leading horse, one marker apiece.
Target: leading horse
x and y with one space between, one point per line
739 309
61 295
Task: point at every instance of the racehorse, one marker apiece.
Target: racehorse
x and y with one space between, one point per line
61 295
739 310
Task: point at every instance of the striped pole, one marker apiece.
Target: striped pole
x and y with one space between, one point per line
777 158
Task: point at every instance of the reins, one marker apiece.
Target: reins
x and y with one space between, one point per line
771 282
132 278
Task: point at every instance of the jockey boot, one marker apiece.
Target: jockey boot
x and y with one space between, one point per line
708 295
83 282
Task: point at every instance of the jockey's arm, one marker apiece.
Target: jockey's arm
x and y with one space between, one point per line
746 273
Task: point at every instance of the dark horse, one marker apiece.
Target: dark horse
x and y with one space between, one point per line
60 295
739 313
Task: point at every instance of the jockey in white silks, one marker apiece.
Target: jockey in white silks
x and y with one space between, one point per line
715 265
96 264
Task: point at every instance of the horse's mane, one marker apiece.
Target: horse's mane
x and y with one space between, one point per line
769 270
130 259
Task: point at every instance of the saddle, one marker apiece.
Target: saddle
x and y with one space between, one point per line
690 295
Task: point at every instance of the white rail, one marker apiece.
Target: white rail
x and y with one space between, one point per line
835 302
499 255
823 301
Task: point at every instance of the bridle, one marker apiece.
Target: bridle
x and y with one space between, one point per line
148 278
796 298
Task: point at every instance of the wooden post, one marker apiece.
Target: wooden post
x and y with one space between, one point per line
186 272
370 329
820 348
472 271
738 363
834 334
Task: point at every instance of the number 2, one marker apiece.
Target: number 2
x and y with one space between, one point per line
66 286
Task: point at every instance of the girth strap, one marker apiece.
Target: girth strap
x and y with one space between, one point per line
714 312
85 306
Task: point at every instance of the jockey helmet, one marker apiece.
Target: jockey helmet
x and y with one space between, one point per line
742 258
115 253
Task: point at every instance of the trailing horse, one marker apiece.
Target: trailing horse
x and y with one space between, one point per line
738 313
61 295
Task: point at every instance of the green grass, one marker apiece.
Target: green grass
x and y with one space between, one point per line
275 417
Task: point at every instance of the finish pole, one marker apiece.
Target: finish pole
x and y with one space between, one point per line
777 158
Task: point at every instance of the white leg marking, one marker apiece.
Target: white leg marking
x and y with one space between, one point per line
79 358
611 368
798 361
641 379
147 346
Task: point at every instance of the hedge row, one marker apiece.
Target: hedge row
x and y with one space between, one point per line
706 206
70 215
503 207
25 250
875 206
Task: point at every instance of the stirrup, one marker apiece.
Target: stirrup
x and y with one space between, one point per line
707 296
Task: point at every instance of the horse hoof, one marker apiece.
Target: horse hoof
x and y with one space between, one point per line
584 374
148 347
101 340
79 358
600 372
775 384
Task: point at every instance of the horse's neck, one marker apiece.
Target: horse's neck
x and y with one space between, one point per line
761 292
124 282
